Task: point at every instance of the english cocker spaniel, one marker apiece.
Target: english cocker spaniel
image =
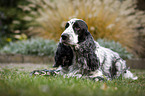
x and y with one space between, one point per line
79 55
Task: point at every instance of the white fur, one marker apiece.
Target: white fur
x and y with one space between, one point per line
106 56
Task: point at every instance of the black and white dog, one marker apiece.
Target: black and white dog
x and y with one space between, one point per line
78 55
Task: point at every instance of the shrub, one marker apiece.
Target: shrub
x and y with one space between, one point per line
115 46
41 47
35 46
111 19
12 25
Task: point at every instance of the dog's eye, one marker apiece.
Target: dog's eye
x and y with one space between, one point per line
76 27
67 25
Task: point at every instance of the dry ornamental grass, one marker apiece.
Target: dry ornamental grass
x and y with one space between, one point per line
109 19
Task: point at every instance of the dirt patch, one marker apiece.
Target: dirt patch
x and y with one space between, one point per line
27 67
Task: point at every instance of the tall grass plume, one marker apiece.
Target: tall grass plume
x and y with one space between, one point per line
109 19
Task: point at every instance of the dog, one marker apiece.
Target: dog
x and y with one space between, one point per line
79 55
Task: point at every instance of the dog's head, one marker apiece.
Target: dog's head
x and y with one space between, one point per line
75 32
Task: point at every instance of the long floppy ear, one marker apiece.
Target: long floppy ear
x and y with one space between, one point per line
81 28
63 56
87 50
87 45
82 24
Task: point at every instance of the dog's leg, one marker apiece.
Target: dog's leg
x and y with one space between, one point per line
123 71
98 75
120 67
45 72
129 75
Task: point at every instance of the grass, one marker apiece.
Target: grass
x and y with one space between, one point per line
16 81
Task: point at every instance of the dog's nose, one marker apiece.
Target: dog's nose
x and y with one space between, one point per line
64 36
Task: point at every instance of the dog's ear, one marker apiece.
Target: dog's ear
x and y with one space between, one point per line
81 28
63 56
57 57
80 25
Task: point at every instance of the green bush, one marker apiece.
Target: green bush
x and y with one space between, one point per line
115 46
41 47
12 25
34 46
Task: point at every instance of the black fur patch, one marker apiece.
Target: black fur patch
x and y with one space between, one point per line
63 56
113 68
67 25
81 28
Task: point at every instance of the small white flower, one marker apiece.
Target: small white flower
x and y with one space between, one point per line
110 26
27 18
92 28
16 22
90 16
32 5
115 88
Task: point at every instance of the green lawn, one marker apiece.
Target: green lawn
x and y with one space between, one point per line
16 81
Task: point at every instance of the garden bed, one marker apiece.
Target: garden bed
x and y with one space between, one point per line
17 58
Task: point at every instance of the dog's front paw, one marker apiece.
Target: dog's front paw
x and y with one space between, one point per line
44 72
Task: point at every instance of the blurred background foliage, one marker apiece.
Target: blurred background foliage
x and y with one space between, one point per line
122 21
12 25
33 46
45 47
